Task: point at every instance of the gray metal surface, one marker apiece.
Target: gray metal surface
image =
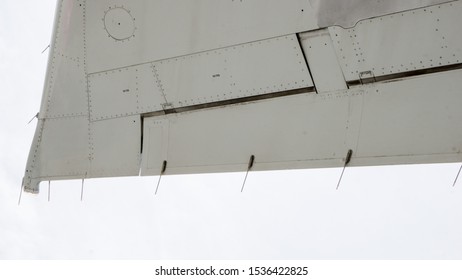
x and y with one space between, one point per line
172 28
403 42
347 13
400 122
324 65
124 92
261 67
115 147
206 84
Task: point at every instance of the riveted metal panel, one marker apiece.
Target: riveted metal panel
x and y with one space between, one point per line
268 66
124 92
65 86
284 132
256 68
149 91
115 147
405 121
411 118
64 148
194 79
155 145
70 31
347 13
322 59
171 28
402 42
448 24
67 94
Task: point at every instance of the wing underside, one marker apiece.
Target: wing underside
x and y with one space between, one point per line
203 85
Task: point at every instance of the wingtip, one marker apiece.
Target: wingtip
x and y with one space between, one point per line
30 185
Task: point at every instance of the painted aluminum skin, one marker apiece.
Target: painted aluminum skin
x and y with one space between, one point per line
203 85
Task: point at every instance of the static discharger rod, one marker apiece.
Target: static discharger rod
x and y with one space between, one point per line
45 49
81 192
347 160
251 161
457 177
36 116
20 195
164 167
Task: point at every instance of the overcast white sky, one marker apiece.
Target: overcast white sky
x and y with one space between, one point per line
400 212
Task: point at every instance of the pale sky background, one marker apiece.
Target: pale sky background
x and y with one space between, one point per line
396 212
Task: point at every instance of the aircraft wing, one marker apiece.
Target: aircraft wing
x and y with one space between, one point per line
147 87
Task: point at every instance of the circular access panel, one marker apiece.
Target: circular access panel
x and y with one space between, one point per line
119 23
